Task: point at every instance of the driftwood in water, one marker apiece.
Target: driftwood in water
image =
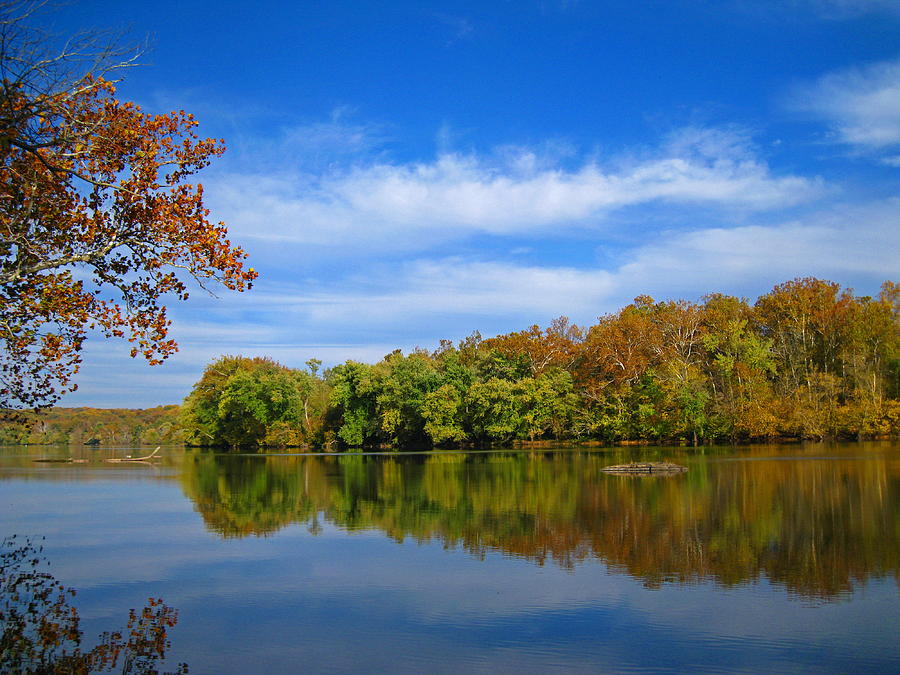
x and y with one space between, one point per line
646 468
134 459
72 460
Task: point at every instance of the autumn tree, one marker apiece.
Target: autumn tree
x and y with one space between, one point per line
808 321
99 219
555 346
616 373
739 365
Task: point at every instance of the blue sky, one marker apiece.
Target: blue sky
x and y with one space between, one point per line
403 172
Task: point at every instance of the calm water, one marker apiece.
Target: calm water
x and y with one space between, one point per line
771 558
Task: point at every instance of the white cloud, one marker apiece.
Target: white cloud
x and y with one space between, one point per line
513 192
110 378
424 300
843 244
429 298
453 288
861 105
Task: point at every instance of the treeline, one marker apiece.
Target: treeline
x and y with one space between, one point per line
809 360
78 426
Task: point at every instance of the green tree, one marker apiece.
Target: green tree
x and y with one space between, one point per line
549 404
353 398
495 410
441 411
238 400
404 382
253 400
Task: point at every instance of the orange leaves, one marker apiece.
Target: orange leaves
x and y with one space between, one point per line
91 183
556 346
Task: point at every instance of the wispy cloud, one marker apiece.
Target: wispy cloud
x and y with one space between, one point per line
860 105
509 192
460 27
431 297
846 243
309 148
450 288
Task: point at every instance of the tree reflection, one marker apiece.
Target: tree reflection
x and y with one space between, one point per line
40 629
815 527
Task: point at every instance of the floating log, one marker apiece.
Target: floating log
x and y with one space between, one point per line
645 468
72 460
129 458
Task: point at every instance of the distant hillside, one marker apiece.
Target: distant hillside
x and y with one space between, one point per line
110 426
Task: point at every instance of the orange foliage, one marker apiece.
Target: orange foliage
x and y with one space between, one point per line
620 347
97 224
556 346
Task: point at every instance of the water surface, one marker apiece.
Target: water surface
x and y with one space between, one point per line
769 558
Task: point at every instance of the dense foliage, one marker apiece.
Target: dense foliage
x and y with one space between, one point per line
808 360
241 401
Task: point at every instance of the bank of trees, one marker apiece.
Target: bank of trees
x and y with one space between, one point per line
89 426
809 360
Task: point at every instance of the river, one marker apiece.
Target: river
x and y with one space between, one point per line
757 559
